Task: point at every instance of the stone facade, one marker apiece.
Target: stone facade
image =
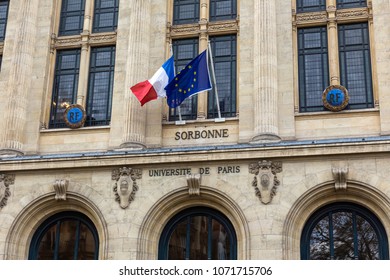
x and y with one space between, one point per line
308 159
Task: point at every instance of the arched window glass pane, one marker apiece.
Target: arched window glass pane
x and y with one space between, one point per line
368 242
344 232
320 241
200 235
65 236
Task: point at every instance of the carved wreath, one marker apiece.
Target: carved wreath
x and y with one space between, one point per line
265 181
125 186
5 181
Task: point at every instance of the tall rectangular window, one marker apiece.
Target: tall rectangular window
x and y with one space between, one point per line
100 88
355 64
65 85
105 15
223 9
224 58
3 18
351 3
72 17
185 11
310 5
313 67
184 51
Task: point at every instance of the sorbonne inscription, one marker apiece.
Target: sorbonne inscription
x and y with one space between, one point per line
167 172
202 134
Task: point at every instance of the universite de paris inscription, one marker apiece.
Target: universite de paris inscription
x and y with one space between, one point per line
166 172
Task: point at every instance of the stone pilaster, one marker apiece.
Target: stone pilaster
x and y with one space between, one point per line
265 72
18 82
134 124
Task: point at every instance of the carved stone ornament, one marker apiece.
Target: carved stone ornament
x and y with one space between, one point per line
125 186
193 183
60 188
5 181
265 181
340 178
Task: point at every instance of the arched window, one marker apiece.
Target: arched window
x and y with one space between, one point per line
344 231
198 233
65 236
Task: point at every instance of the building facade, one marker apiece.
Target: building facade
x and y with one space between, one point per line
287 157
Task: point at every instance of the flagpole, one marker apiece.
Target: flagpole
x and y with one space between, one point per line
180 121
220 119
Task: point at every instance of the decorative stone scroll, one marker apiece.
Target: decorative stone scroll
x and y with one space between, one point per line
265 181
5 181
125 186
340 177
193 183
60 187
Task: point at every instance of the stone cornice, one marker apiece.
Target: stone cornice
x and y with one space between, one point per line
243 152
217 27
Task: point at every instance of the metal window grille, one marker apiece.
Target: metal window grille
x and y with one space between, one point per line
72 17
185 11
65 85
310 5
223 9
351 3
105 15
100 87
224 58
3 18
355 64
184 51
313 67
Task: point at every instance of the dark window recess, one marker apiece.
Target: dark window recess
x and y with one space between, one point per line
72 17
185 11
310 5
223 9
100 87
224 58
313 68
184 51
355 64
105 17
65 85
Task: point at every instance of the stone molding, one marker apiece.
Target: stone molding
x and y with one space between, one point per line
193 184
340 177
218 27
64 42
60 188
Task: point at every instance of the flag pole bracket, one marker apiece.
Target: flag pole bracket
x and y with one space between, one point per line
219 120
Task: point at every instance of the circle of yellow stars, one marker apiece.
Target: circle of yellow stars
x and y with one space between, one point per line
188 90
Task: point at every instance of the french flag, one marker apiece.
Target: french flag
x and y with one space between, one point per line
154 87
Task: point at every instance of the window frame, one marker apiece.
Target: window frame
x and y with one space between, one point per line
370 217
56 219
332 18
194 212
85 41
203 30
4 20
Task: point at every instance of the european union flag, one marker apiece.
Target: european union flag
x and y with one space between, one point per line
192 79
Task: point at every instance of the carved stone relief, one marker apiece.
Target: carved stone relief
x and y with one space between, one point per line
340 177
60 187
5 181
193 183
125 186
265 181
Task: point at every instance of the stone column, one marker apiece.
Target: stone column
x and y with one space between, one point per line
203 42
19 45
333 44
137 70
265 72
